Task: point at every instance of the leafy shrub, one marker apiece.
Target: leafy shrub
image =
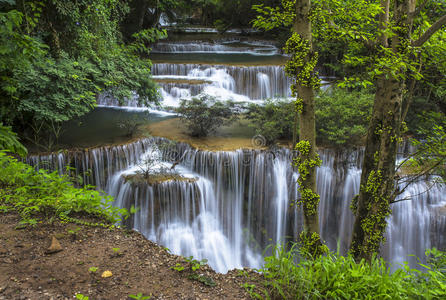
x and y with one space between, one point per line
204 114
38 195
9 141
274 120
289 275
342 116
54 70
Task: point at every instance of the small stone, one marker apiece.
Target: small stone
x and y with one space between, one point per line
55 247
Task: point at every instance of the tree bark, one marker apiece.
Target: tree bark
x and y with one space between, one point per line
372 205
308 158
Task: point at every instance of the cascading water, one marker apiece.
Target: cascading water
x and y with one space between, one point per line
234 46
228 207
231 205
242 83
239 83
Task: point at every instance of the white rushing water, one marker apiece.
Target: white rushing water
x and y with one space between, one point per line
233 46
235 83
229 206
239 202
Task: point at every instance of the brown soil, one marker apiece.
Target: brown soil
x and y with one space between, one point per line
138 266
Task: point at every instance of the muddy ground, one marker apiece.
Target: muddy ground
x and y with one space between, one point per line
28 271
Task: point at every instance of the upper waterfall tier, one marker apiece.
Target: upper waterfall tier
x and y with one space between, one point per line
223 47
254 82
240 201
236 83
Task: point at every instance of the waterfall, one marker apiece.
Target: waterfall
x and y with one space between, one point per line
233 46
238 202
239 83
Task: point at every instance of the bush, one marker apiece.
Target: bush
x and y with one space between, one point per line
342 116
39 195
9 141
205 114
289 275
274 120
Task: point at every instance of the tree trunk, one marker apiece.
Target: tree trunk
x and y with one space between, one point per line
135 19
378 170
372 205
308 159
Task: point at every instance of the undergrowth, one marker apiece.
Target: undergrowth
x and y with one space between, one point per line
289 275
40 195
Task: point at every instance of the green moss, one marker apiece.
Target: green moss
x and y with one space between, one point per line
311 244
302 64
378 207
309 199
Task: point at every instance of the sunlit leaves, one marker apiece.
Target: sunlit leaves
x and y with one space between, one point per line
273 17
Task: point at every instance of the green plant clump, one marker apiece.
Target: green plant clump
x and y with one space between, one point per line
39 195
342 116
273 120
140 296
291 275
205 114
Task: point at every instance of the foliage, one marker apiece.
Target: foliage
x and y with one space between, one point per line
39 195
194 266
342 116
273 120
82 297
204 114
140 296
9 141
429 157
291 275
17 51
57 90
57 56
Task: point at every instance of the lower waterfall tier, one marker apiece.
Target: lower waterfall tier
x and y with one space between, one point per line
239 202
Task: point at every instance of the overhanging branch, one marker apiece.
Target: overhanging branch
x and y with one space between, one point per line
429 32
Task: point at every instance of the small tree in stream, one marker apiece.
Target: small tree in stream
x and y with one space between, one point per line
204 114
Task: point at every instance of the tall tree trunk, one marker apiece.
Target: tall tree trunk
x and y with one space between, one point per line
372 205
304 58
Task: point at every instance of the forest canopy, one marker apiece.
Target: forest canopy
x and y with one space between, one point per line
57 56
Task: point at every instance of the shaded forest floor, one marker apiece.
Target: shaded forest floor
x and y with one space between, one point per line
28 271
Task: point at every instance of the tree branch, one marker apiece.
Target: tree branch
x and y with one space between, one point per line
384 21
418 10
430 187
429 32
